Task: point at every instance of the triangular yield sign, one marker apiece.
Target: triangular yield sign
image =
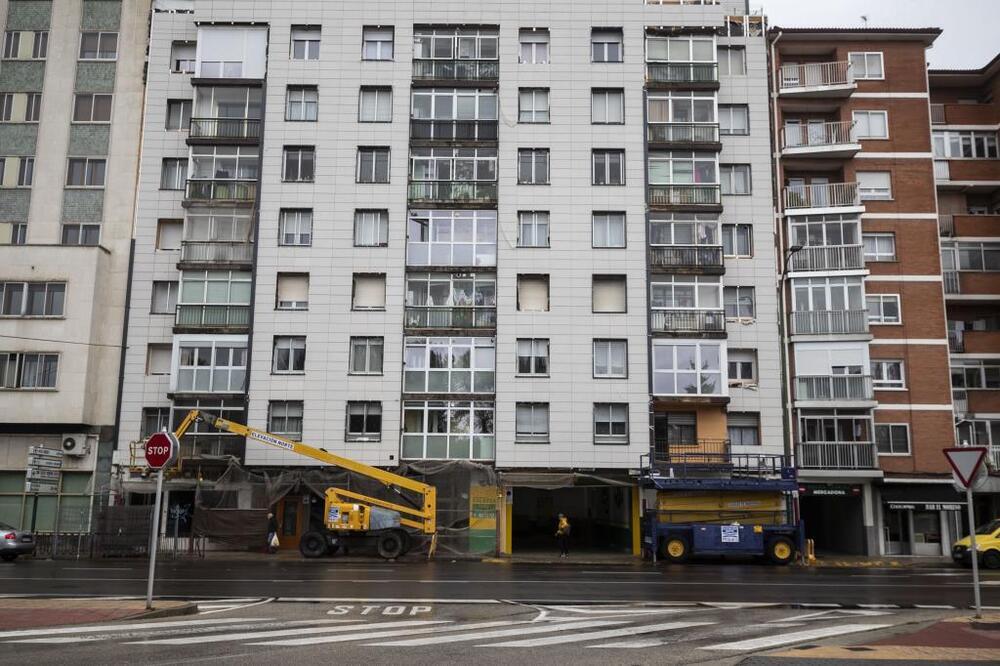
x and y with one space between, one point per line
965 461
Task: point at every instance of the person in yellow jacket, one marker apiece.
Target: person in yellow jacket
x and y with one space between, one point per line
562 535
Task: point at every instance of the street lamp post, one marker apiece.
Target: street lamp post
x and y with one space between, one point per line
783 345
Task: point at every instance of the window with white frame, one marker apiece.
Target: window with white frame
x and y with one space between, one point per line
371 228
299 164
680 48
975 374
441 430
229 106
532 166
874 185
26 44
375 104
77 234
610 359
289 354
292 292
95 108
284 418
688 367
879 246
302 103
683 229
215 287
28 370
610 423
608 293
606 45
158 358
883 309
533 105
888 374
826 294
737 240
368 292
17 171
608 167
225 225
178 115
531 422
456 164
366 355
295 226
608 229
866 65
533 46
871 124
98 45
533 356
681 106
450 290
607 106
211 366
735 178
825 230
451 238
373 164
734 119
532 293
454 104
449 365
533 228
892 439
955 144
183 56
681 167
237 162
742 367
86 172
376 42
455 43
164 299
743 428
732 61
686 292
173 173
364 421
739 302
32 299
20 107
154 419
305 42
977 256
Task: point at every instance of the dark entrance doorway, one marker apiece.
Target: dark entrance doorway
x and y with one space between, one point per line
835 524
600 517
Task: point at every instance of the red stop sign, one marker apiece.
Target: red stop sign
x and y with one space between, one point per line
161 449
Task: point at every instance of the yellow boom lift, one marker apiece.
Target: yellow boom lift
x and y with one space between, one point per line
349 518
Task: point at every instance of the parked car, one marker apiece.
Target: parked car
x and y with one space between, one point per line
14 542
987 543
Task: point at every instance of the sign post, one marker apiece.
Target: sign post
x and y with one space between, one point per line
42 476
161 449
965 462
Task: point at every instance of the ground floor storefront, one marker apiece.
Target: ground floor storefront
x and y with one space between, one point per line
919 517
838 514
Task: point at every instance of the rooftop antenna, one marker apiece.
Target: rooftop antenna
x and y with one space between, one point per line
864 19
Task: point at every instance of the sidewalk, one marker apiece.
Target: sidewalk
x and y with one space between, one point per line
30 613
859 561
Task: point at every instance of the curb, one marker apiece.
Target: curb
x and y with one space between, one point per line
189 608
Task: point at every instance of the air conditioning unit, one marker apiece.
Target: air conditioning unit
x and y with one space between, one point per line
76 445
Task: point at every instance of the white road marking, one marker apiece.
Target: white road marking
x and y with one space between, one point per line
615 611
208 609
764 642
934 606
357 600
737 605
188 631
98 569
84 628
330 625
836 614
500 633
635 645
597 635
448 626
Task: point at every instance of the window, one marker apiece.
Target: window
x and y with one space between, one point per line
732 61
451 296
610 423
449 365
866 65
302 103
375 105
606 45
976 256
226 163
883 309
164 300
735 178
369 292
892 439
533 228
888 375
226 225
679 167
827 294
533 105
687 292
874 185
284 418
169 234
25 170
739 302
871 124
684 229
610 359
86 172
366 356
32 107
743 428
11 44
737 240
299 164
98 46
289 356
32 299
6 107
533 293
173 173
534 46
183 57
879 246
608 293
533 166
533 356
608 229
295 226
364 421
376 43
215 287
451 238
734 119
305 42
371 228
25 44
531 422
608 167
688 367
19 370
453 164
954 144
680 49
441 429
292 291
373 165
178 114
976 374
94 109
158 359
212 367
155 419
453 104
607 106
742 367
81 234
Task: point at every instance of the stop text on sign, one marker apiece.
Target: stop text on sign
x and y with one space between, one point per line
161 449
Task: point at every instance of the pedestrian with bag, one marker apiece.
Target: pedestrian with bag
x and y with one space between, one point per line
272 533
562 535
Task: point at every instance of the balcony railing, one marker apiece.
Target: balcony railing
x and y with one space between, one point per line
952 285
221 190
448 191
213 316
807 75
834 387
682 72
682 133
688 321
216 252
822 195
685 256
224 128
453 130
450 317
960 401
816 134
836 455
456 70
829 322
200 447
828 258
696 451
684 195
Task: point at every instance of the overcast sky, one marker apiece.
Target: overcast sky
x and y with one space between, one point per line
971 27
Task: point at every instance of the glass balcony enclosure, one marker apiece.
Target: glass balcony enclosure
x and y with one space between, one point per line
451 238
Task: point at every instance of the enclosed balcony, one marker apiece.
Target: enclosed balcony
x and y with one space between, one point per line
814 140
457 131
221 191
456 71
686 322
453 192
806 199
828 258
445 318
829 322
826 390
687 75
197 317
688 258
696 136
816 79
224 130
836 455
708 196
206 254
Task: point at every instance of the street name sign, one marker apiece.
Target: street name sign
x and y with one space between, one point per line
43 471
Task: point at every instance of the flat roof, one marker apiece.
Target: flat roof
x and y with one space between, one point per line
926 35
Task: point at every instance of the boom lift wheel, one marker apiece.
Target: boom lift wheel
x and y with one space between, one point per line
780 550
391 544
676 549
313 544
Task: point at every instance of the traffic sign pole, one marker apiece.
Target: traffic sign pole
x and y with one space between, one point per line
975 553
155 538
965 462
161 449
